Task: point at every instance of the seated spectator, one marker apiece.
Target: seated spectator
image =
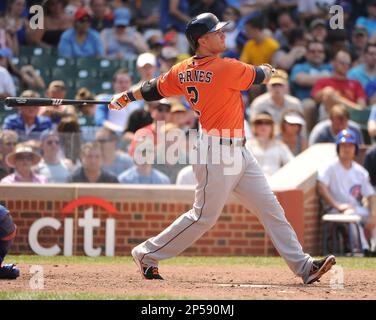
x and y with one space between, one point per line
174 14
17 23
122 41
270 153
366 71
369 22
56 21
318 30
260 48
146 14
216 7
138 119
86 115
186 176
291 132
70 137
81 40
276 100
102 15
146 67
8 140
26 122
338 88
142 172
359 40
23 159
168 58
114 160
7 38
339 119
370 164
305 75
91 170
181 116
57 90
232 30
286 24
372 123
54 166
344 183
7 85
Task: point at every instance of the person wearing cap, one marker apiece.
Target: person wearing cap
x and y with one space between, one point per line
81 40
102 15
339 119
276 100
53 166
343 184
168 57
270 153
122 41
318 30
291 131
369 22
23 159
366 71
7 85
8 141
26 122
359 40
146 67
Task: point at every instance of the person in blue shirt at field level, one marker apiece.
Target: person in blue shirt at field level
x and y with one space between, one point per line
370 21
7 234
81 40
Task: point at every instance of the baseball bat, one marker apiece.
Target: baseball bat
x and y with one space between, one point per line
40 102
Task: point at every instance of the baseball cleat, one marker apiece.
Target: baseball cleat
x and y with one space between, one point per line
147 272
9 271
319 268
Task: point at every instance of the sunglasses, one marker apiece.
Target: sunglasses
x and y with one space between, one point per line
28 157
51 142
263 122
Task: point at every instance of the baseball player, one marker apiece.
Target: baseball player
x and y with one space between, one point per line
7 234
212 87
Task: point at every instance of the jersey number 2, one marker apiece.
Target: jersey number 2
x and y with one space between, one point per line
192 91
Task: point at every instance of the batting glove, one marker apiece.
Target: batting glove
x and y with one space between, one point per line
119 101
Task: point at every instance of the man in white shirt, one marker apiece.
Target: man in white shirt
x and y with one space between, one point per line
7 86
344 183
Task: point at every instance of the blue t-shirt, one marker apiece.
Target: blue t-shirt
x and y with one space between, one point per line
305 92
369 24
69 47
370 88
133 176
359 73
372 116
167 20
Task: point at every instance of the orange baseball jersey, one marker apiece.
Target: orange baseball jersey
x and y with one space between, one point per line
212 87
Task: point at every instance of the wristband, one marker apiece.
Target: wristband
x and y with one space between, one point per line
131 96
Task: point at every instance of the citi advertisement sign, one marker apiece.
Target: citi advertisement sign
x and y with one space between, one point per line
88 223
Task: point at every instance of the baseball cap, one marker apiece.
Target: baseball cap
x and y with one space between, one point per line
262 116
146 58
80 13
169 53
360 30
317 22
122 17
178 107
294 118
279 77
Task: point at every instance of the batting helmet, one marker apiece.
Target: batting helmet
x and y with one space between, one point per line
347 136
202 24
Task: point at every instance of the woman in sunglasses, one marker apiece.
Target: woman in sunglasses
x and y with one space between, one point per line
271 154
54 166
23 159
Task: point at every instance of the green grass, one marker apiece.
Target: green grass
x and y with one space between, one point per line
345 262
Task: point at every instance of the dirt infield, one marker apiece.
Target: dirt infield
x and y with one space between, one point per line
196 282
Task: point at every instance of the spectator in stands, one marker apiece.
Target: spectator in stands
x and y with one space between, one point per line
232 30
286 24
168 57
7 38
143 172
57 90
138 119
359 40
285 58
372 122
8 141
26 122
114 160
369 22
366 71
122 41
291 131
343 184
81 40
276 100
270 153
305 75
174 14
338 88
91 170
7 85
56 21
318 30
186 176
54 166
217 7
69 133
16 22
260 48
86 115
23 159
102 15
146 14
339 119
146 66
122 81
370 164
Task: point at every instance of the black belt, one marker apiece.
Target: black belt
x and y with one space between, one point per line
233 141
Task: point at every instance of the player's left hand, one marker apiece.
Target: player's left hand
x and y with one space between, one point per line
119 101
